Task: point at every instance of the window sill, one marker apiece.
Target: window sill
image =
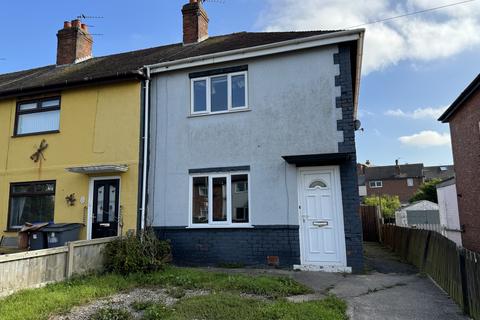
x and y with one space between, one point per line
35 133
195 115
221 226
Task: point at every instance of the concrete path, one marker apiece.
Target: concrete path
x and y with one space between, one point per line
389 290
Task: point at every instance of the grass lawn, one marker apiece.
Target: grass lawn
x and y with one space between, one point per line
223 302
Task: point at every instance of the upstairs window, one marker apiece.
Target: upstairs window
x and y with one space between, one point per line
31 202
219 199
216 92
375 184
37 116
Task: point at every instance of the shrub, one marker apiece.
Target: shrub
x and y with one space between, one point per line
130 254
111 314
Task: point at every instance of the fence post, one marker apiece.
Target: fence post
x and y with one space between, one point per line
70 256
463 276
425 251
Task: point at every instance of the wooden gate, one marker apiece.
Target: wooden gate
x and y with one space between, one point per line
369 223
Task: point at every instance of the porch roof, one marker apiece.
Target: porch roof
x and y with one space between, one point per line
322 159
98 169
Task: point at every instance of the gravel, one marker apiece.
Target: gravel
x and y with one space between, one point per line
124 301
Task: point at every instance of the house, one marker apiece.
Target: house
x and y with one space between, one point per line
463 116
253 157
421 212
448 207
438 172
400 180
70 135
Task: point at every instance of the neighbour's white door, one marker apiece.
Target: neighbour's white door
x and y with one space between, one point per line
322 237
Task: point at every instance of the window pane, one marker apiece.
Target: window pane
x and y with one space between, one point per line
219 199
31 209
200 95
200 200
28 106
22 188
45 187
219 96
238 91
38 122
240 198
50 103
100 200
112 204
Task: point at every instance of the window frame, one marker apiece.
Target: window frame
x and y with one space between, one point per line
376 184
37 109
208 88
218 224
11 194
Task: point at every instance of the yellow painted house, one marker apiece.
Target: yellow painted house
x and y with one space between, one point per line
70 141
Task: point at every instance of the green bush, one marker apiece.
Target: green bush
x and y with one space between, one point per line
111 314
157 312
130 254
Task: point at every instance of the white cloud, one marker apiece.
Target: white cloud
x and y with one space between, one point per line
426 138
420 113
438 34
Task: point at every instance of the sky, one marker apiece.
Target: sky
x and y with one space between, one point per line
413 67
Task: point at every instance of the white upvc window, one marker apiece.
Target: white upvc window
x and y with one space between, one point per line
219 93
410 182
219 200
376 184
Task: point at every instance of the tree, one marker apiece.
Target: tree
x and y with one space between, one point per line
388 204
427 191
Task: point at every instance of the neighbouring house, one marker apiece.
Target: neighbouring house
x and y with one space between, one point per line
400 180
70 140
253 157
463 116
448 207
421 212
438 172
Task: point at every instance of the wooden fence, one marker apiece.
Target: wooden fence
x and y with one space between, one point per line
370 223
34 269
455 269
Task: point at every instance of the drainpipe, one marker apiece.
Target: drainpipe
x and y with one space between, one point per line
146 128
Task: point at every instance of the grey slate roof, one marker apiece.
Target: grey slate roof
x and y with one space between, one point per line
389 172
438 172
129 64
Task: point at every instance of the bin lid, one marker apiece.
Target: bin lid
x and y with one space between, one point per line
30 227
58 227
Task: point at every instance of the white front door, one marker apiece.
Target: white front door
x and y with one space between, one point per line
322 236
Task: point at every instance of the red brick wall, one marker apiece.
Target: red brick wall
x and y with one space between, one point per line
465 132
74 42
397 187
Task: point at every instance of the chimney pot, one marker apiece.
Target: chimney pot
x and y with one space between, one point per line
76 23
195 22
67 25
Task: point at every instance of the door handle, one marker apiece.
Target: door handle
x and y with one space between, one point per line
320 223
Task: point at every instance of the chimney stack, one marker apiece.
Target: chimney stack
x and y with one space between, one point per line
195 22
397 168
74 43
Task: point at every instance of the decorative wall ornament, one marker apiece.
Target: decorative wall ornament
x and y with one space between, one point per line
38 155
71 199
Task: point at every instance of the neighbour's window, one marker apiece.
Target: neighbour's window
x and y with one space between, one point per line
219 93
410 182
31 202
220 199
376 184
38 116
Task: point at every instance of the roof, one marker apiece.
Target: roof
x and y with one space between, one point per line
446 183
390 172
438 172
129 64
458 103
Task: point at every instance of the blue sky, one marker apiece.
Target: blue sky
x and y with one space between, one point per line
413 67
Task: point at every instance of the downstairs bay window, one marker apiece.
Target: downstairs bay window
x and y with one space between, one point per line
219 199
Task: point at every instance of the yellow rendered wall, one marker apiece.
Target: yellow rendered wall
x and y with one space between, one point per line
98 125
